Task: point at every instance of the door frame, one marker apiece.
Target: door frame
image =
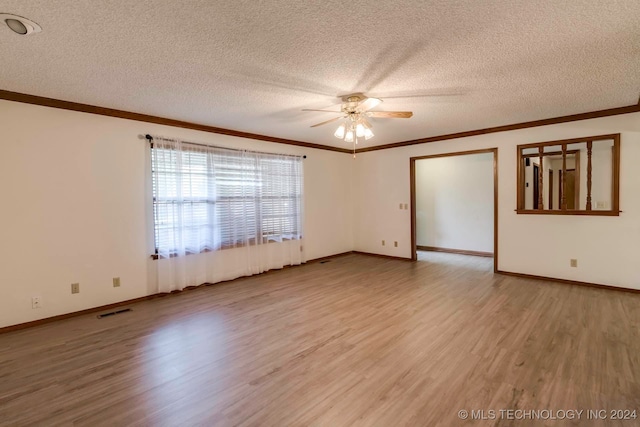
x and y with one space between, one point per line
412 173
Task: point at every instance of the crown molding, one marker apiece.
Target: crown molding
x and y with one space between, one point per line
92 109
505 128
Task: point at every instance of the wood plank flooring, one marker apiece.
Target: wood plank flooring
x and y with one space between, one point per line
357 341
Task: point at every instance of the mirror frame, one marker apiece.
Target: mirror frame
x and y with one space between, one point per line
615 196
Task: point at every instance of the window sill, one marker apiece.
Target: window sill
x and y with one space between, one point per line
252 242
567 212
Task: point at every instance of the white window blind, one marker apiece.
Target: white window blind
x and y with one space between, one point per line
208 198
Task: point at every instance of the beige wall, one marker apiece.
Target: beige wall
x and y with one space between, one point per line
75 207
606 247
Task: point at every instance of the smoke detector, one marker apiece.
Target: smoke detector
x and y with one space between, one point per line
20 25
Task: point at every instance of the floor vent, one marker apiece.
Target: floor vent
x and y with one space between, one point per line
113 313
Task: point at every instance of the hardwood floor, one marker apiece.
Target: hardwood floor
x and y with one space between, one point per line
358 340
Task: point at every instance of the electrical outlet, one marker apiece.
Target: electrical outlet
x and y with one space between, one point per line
574 263
400 206
406 206
116 282
36 302
75 288
383 243
395 244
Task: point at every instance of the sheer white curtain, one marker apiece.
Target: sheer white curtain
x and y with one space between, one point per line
221 214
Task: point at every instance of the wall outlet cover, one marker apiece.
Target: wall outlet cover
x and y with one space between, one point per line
36 302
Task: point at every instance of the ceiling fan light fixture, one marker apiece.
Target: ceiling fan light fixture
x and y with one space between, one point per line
355 110
368 133
349 137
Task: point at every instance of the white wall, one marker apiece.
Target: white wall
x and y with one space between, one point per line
74 207
454 202
607 248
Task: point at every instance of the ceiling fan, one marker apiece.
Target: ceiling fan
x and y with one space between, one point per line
355 110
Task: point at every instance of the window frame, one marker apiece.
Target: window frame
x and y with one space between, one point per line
615 167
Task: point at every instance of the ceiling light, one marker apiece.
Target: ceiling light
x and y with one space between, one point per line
356 109
349 137
368 133
20 25
16 26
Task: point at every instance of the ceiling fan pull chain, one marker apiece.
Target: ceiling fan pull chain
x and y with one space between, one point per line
355 141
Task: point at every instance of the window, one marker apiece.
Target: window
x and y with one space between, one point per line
577 176
208 198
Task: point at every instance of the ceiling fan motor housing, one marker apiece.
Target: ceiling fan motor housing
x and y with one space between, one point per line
351 103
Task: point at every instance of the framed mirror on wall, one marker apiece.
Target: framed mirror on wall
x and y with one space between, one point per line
578 176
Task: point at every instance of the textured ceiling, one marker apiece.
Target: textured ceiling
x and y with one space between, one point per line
253 65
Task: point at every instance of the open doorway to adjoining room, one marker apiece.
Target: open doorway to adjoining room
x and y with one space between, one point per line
454 202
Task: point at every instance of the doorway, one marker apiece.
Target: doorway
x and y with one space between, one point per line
467 206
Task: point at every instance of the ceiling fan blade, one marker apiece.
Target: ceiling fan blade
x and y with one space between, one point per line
429 93
327 121
368 104
390 114
324 111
